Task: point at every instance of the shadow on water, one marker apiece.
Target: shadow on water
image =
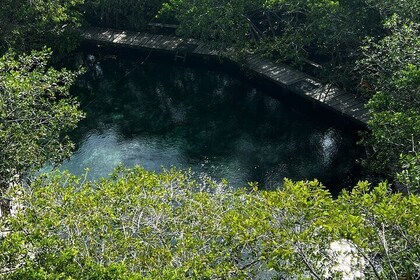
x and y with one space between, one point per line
158 115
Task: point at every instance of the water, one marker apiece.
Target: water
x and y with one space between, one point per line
160 116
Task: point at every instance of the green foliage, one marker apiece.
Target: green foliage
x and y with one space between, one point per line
327 27
225 23
143 225
409 9
27 25
391 71
122 14
35 112
409 175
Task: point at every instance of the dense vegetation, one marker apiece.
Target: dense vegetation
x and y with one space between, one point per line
144 225
36 110
27 25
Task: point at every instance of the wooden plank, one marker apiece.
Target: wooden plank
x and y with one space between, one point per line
154 42
296 77
365 119
221 48
91 30
100 34
259 62
86 35
291 77
132 38
104 37
258 58
256 63
359 111
136 40
268 70
325 93
355 106
360 101
362 112
160 42
165 43
117 38
251 58
339 97
150 43
359 115
340 101
280 72
205 50
97 36
277 72
273 71
169 43
83 31
163 25
345 104
147 41
327 96
267 65
128 38
339 107
306 87
199 47
122 38
192 41
213 52
142 40
288 76
262 66
94 34
177 42
209 51
343 99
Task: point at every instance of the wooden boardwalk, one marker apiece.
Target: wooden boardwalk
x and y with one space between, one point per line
296 82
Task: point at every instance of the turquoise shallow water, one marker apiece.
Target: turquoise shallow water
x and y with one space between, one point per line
160 116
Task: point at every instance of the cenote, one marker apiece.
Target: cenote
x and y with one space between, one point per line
216 124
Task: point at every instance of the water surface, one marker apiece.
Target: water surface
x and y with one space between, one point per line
160 116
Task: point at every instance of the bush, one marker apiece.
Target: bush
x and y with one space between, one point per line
36 112
140 224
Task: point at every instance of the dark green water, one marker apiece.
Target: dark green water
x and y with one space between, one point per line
158 115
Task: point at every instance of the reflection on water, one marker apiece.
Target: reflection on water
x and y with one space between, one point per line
102 149
158 116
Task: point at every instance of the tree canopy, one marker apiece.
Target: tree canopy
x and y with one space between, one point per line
143 225
27 25
35 113
391 69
